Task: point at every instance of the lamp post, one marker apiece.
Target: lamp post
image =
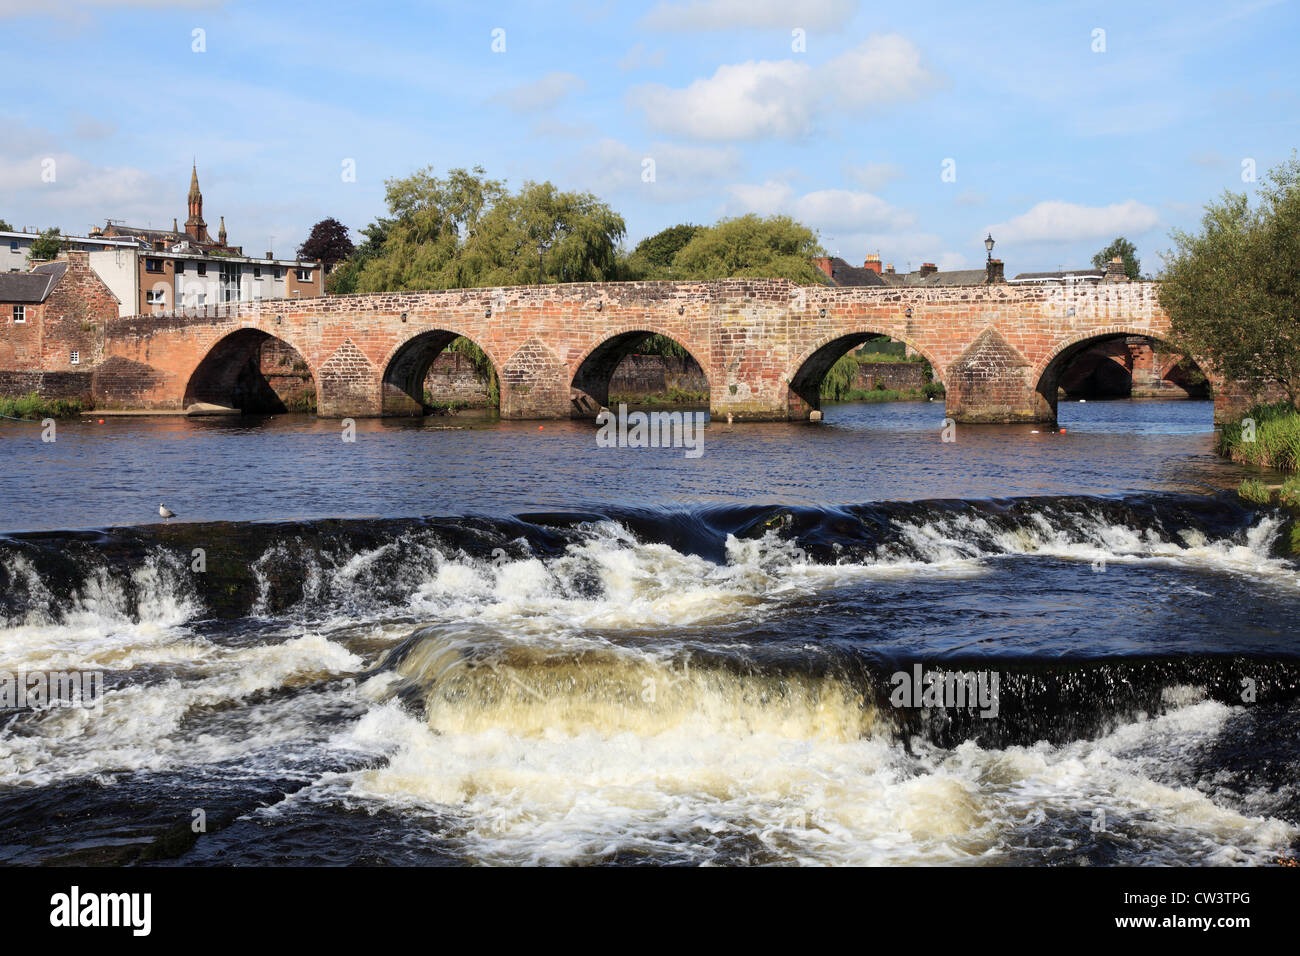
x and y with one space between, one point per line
988 244
542 246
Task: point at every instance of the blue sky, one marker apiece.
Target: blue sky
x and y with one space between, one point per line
1059 137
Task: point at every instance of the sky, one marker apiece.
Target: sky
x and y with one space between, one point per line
910 131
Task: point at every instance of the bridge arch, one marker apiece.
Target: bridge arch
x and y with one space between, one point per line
589 388
254 372
1046 377
804 376
407 366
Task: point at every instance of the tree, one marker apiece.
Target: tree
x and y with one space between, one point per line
466 230
775 247
1125 250
5 227
1232 290
653 256
46 246
327 243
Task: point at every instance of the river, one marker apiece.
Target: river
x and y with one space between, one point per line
459 640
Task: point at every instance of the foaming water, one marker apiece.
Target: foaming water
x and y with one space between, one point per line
704 686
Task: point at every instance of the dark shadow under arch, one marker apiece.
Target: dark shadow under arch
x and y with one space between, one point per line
806 383
589 391
408 369
1103 366
254 372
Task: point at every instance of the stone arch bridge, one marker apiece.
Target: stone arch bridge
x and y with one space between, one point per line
763 344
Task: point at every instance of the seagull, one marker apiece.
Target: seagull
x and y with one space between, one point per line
165 511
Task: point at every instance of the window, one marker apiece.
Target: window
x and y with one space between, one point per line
304 275
257 272
276 273
20 314
76 358
202 268
155 296
13 245
180 267
153 265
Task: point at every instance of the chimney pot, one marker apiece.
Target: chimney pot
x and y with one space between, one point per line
928 268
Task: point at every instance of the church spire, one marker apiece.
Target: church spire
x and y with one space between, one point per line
195 227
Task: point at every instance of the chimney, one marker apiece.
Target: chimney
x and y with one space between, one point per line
268 254
928 268
993 273
1115 270
889 269
872 263
823 263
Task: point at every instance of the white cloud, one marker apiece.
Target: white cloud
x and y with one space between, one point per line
742 101
1056 221
873 175
780 98
832 210
885 68
733 14
540 94
680 172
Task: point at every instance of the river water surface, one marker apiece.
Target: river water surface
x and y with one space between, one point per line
459 640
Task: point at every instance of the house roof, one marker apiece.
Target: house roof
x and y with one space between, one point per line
952 277
1060 276
33 287
844 274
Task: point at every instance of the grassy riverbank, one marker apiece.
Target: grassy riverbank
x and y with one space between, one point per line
1272 442
34 408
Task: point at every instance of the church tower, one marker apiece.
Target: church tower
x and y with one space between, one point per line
195 227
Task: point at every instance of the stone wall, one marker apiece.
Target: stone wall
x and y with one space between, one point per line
453 378
648 376
894 376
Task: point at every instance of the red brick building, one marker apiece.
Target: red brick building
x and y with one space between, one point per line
52 324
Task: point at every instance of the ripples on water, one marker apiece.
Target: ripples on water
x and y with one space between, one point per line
660 660
298 467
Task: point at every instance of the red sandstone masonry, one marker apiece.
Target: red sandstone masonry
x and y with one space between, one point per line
996 347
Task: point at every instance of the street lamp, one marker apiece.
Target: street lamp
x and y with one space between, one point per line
988 244
542 246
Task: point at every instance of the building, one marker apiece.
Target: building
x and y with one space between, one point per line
1066 277
159 270
16 247
52 323
874 273
195 235
148 281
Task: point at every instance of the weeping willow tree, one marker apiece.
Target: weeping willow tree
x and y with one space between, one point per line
841 378
483 367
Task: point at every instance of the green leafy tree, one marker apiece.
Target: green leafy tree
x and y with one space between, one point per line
344 277
775 247
5 227
1125 250
328 242
466 230
1232 290
46 246
653 256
